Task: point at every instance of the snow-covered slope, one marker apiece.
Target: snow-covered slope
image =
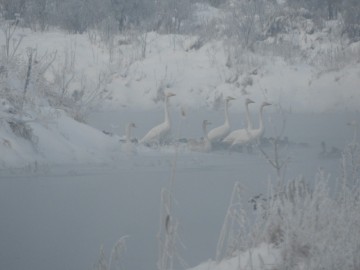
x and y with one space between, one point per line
56 139
262 257
136 79
197 76
200 77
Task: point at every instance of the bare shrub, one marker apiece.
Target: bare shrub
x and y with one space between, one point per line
89 95
234 232
12 42
22 129
115 257
311 225
314 224
76 94
336 57
240 61
64 75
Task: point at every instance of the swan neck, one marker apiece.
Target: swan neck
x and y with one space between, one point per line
205 133
227 113
166 110
248 118
261 120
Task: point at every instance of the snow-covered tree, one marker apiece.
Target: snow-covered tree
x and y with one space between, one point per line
351 14
170 14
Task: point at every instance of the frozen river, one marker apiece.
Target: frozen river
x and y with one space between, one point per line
58 217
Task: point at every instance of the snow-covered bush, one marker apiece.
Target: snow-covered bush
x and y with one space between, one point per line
315 226
22 79
241 62
351 11
22 129
171 14
89 95
233 236
115 257
334 56
30 80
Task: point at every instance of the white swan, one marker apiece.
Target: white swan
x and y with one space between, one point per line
159 133
257 134
219 133
128 146
252 134
204 145
241 132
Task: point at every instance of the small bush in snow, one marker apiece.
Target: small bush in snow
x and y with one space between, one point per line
115 258
22 129
314 227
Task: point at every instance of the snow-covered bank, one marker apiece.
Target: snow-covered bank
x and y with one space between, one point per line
262 257
90 75
54 139
199 77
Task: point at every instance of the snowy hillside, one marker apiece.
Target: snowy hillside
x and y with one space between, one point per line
262 257
136 71
199 76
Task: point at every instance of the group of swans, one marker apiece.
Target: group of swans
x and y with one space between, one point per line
239 133
248 135
239 137
222 134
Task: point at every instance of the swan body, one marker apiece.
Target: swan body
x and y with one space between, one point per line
252 135
219 133
204 145
159 133
128 146
241 133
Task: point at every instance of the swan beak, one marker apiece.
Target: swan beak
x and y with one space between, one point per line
249 101
206 122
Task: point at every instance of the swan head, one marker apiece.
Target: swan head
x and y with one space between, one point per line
131 125
206 123
169 94
265 104
249 101
228 98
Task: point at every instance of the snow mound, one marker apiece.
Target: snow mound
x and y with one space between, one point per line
56 139
262 257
